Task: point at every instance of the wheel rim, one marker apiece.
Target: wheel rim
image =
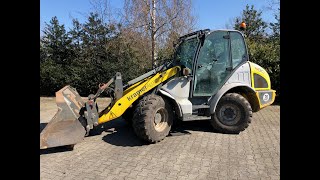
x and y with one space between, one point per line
160 120
230 114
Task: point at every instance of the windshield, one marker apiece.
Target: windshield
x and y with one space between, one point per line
186 51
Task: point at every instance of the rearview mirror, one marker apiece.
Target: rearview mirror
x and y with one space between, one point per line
186 71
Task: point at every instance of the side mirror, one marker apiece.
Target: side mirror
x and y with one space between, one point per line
187 72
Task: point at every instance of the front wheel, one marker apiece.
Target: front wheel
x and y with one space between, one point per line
152 118
233 114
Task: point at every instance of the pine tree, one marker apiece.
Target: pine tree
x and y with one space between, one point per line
56 42
256 26
263 49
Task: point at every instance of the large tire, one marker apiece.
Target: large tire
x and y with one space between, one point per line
233 114
152 118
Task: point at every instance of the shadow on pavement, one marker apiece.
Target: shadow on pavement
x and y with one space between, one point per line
122 135
184 126
56 150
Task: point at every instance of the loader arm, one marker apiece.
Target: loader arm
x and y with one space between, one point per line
75 118
132 93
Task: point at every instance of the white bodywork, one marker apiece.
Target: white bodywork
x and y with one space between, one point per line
179 88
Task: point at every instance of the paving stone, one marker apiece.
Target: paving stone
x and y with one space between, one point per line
203 154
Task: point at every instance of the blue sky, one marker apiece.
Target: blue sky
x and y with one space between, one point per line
212 14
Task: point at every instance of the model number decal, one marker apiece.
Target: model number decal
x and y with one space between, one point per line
266 97
142 90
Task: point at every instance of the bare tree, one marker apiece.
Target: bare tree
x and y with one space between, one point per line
153 29
274 5
103 9
231 22
160 21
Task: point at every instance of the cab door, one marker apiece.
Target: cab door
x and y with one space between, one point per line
213 64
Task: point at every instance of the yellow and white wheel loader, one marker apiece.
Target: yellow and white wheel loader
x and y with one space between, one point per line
209 78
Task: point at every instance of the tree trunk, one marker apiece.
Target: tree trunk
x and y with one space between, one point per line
153 29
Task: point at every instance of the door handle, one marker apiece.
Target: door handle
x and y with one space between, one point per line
229 69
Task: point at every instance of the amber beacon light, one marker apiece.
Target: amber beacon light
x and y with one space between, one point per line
243 26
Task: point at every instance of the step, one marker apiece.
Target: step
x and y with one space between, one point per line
192 117
202 106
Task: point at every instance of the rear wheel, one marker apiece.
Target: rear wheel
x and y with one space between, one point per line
152 118
233 114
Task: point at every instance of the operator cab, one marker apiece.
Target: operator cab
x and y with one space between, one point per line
210 56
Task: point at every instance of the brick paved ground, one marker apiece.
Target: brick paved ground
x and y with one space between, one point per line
195 153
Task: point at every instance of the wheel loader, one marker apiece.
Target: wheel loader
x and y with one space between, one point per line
209 78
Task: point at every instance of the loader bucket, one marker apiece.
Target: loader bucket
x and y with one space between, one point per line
64 128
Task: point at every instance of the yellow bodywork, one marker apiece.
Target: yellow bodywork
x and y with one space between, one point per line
264 105
256 69
135 91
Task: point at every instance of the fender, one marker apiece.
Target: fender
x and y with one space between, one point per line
177 106
213 101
